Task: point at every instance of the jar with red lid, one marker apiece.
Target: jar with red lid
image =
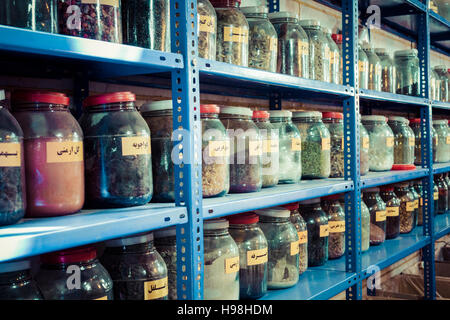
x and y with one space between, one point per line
392 211
334 121
336 225
53 152
117 152
302 232
74 274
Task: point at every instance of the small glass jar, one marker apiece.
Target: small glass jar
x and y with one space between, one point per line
221 271
53 152
375 69
443 147
377 209
335 125
415 126
388 70
246 149
282 238
290 146
441 72
136 268
381 138
363 68
16 282
404 140
442 206
316 144
364 144
365 226
215 153
392 211
158 115
406 206
336 226
117 151
56 276
263 41
94 19
408 72
271 145
319 50
335 59
166 245
206 29
232 33
253 255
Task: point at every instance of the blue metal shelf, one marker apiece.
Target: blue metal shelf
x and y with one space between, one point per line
32 237
374 179
441 105
442 225
441 167
440 32
370 95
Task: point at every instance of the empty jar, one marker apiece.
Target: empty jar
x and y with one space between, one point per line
408 72
442 73
335 59
381 138
16 282
443 147
388 70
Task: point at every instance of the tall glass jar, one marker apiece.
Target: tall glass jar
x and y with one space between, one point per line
136 268
337 39
253 255
377 209
221 270
316 144
447 181
334 122
232 33
443 88
416 202
435 86
117 152
419 189
381 138
293 44
408 72
364 144
246 149
388 70
206 29
406 206
335 59
392 211
375 69
365 226
443 147
404 140
415 126
290 146
443 194
53 153
263 41
16 282
336 226
363 68
166 245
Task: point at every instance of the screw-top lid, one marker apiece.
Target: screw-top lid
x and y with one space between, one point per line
156 106
114 97
243 218
166 232
274 212
2 95
209 108
414 121
14 266
225 3
291 206
260 114
215 224
337 37
398 119
373 189
253 10
374 118
129 241
332 197
307 114
74 255
440 121
240 111
310 23
310 201
406 53
387 188
29 96
332 115
280 114
403 167
283 15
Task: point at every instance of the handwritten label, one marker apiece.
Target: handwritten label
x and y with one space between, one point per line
302 237
448 140
102 298
132 146
380 216
235 34
366 142
303 48
156 289
361 66
296 144
410 206
324 230
219 148
326 144
294 248
114 3
271 146
232 265
255 148
273 44
10 155
390 141
336 226
416 204
436 196
412 141
255 257
392 211
67 151
206 24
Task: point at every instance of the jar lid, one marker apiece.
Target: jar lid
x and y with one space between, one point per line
374 118
387 188
337 37
14 266
406 53
403 167
333 115
209 108
291 206
241 111
2 95
274 212
283 15
310 201
373 189
215 224
260 114
73 255
243 218
307 114
414 121
108 98
280 114
441 68
382 51
310 23
156 106
440 121
28 96
398 119
166 232
332 197
224 3
255 9
129 241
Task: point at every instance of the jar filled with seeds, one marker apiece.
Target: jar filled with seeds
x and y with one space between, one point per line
206 29
336 226
377 209
335 58
263 40
316 144
381 138
138 271
419 189
408 72
215 153
443 147
17 283
392 211
364 143
442 73
253 255
374 69
290 146
245 148
388 70
221 270
365 226
363 68
282 239
166 245
442 206
232 33
406 206
404 140
415 126
334 122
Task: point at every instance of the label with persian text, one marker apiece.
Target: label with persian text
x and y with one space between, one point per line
380 216
366 142
232 265
302 237
294 248
336 226
10 155
412 141
326 144
156 289
219 148
235 34
410 206
296 144
255 257
436 196
66 151
133 146
324 230
206 24
392 211
416 204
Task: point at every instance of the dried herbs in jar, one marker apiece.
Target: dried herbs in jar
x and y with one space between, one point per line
334 123
393 206
406 207
166 245
377 209
207 30
336 226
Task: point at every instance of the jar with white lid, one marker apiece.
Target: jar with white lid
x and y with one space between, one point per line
388 70
377 208
335 59
381 138
443 147
404 140
17 283
166 245
221 256
415 126
374 69
408 72
335 124
206 30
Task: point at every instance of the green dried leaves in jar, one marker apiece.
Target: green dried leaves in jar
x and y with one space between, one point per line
207 30
334 123
404 140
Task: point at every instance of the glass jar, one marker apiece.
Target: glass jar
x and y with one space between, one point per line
146 23
94 19
381 138
290 146
377 209
319 50
253 255
271 145
282 239
443 147
443 88
336 226
53 152
443 194
318 231
206 29
419 189
337 39
375 69
408 72
246 149
435 85
365 226
404 140
293 44
56 276
158 115
416 202
335 58
166 245
415 126
363 67
447 181
215 153
117 151
364 144
443 8
221 270
316 144
16 282
334 123
263 41
406 206
436 198
232 33
388 70
392 211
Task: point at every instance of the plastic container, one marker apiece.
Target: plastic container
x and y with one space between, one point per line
232 33
206 29
419 189
93 19
415 126
442 206
406 206
335 125
290 146
263 41
404 140
316 144
117 151
253 255
442 74
364 144
282 238
56 277
408 72
166 245
146 24
375 69
293 44
388 70
335 59
336 226
365 226
16 282
246 149
392 211
215 153
377 209
381 138
443 147
53 152
221 272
